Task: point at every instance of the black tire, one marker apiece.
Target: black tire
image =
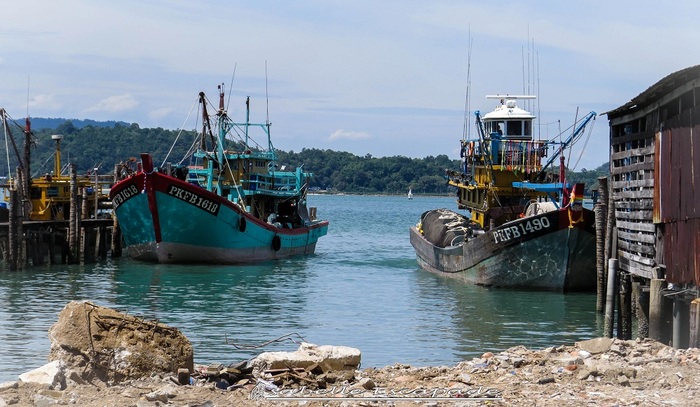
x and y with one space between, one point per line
276 243
241 225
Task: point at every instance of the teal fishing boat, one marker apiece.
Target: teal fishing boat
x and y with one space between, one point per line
232 204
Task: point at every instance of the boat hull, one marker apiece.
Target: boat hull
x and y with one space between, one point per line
551 251
166 220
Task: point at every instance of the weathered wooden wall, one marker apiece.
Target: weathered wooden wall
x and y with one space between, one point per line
632 166
655 171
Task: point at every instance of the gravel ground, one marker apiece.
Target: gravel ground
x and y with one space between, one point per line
599 372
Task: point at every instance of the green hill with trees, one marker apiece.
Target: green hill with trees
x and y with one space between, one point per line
103 145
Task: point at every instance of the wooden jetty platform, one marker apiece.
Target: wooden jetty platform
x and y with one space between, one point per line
652 214
48 242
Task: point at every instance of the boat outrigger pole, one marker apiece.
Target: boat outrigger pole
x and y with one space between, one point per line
485 148
568 141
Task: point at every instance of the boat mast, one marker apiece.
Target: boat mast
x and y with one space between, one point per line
222 121
57 158
267 112
247 119
206 124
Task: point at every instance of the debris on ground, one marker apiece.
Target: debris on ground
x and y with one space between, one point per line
600 371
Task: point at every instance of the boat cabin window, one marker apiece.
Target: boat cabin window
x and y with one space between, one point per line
512 129
496 127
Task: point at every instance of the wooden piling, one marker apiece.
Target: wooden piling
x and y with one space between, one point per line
694 324
601 210
52 247
73 217
85 237
680 323
624 327
609 232
610 298
13 234
100 246
641 301
116 230
656 308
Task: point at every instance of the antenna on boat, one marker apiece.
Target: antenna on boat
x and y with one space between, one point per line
267 112
57 158
467 102
3 121
230 88
28 82
247 119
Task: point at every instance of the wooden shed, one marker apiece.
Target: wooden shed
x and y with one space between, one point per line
655 190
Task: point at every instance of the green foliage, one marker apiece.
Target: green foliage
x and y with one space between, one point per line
345 172
102 147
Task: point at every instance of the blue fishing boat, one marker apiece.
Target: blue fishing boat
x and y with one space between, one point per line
232 204
524 225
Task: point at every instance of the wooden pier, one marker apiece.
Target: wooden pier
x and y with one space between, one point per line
85 235
47 242
652 216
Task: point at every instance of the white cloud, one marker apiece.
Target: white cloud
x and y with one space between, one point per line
114 104
341 134
45 101
159 114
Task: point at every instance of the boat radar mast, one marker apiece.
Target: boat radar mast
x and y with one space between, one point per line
57 159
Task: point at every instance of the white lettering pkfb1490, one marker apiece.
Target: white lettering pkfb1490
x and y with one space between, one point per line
520 229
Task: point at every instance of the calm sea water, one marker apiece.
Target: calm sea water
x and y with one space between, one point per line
362 289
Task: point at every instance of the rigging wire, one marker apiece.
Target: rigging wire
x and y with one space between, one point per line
267 100
279 339
588 137
568 159
7 147
179 133
230 88
467 102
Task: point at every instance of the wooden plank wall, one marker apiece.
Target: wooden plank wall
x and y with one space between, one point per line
632 173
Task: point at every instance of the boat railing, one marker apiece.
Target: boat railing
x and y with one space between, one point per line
518 155
509 154
280 184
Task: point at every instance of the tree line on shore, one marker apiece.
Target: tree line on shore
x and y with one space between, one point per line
90 145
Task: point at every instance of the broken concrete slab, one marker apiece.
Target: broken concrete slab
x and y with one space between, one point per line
596 345
329 358
110 346
51 374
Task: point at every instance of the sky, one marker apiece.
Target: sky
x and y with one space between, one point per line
380 77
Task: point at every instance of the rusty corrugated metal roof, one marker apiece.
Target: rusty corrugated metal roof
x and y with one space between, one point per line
654 92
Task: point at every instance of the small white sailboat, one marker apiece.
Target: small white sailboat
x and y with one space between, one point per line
410 193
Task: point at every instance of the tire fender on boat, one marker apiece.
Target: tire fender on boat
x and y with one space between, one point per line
241 225
276 243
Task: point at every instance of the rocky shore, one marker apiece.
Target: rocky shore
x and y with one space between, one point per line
597 372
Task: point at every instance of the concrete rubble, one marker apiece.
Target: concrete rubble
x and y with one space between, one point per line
99 343
600 371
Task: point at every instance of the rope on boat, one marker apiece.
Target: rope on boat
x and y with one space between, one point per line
179 133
